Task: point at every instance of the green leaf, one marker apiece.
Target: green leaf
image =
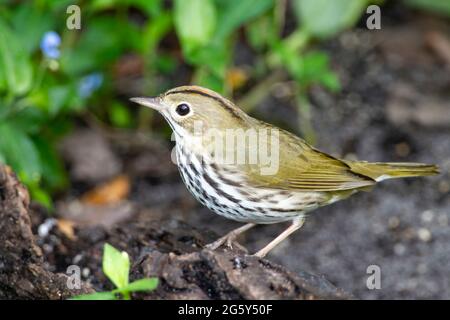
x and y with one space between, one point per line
58 97
152 8
195 23
331 81
437 6
289 58
146 284
29 119
324 18
3 83
2 158
154 31
307 69
258 32
315 63
96 296
116 265
216 58
316 69
97 5
38 21
98 46
41 196
20 153
205 78
233 14
165 63
53 173
14 62
119 115
55 6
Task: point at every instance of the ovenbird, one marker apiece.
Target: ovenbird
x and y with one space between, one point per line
303 180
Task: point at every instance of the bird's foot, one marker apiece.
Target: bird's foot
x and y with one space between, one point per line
260 254
216 244
228 240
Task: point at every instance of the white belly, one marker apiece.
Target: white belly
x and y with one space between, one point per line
236 200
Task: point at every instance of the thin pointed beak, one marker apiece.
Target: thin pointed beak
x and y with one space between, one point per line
151 102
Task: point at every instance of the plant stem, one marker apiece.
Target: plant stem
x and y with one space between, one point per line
296 41
305 117
40 75
260 91
280 16
126 295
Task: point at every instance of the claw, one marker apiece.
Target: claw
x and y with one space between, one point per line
216 244
229 239
229 243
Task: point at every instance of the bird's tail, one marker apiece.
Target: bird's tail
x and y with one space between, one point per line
380 171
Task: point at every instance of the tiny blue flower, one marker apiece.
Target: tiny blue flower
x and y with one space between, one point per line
89 84
50 45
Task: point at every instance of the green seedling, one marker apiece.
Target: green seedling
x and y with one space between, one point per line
116 266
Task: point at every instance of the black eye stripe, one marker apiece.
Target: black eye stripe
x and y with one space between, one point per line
183 109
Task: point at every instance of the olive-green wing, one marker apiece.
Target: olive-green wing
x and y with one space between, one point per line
323 173
301 167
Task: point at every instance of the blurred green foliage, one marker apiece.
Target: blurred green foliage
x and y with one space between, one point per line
437 6
49 79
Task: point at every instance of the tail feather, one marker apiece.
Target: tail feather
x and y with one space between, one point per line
380 171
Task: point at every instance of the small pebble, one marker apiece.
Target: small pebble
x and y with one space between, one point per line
351 156
282 90
411 284
402 149
424 234
443 220
378 228
427 216
399 249
408 234
47 248
86 272
75 207
422 268
77 258
45 227
393 222
444 186
237 263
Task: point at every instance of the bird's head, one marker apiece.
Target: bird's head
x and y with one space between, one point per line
189 109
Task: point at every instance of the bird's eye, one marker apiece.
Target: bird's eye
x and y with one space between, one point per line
183 109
